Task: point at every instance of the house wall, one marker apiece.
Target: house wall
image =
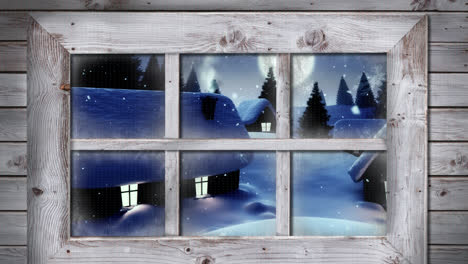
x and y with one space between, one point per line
448 102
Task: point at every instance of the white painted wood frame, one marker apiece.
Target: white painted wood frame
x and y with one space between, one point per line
53 36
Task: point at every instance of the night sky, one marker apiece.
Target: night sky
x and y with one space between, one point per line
240 77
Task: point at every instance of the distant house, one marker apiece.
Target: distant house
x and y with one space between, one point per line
258 115
371 169
106 185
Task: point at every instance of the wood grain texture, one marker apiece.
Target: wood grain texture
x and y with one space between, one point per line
448 27
448 227
448 124
245 5
283 193
448 254
448 89
13 25
444 27
172 204
448 57
448 193
12 255
228 144
12 193
283 96
407 144
48 145
13 231
172 79
13 159
12 56
225 32
12 89
230 250
12 124
448 159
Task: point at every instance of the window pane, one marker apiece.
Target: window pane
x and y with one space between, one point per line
117 96
227 96
101 201
339 193
339 95
236 199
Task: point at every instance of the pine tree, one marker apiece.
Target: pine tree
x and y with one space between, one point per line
314 121
381 111
153 77
192 84
322 98
106 71
269 88
215 87
364 95
344 96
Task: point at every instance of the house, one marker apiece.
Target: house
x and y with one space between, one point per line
258 115
109 186
371 169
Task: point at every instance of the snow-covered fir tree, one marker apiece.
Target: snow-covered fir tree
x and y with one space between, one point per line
192 84
381 111
364 95
314 121
153 77
344 96
269 88
215 87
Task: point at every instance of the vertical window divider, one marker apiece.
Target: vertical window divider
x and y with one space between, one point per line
172 158
283 160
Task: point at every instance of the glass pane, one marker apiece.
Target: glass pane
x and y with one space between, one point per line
339 95
117 96
101 202
339 193
235 198
228 96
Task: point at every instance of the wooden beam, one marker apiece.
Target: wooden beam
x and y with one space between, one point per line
229 144
13 255
448 159
13 25
448 254
448 57
237 5
448 89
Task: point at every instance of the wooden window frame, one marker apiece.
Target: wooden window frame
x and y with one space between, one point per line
53 36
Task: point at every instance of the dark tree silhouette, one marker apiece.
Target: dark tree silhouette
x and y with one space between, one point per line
381 111
314 121
192 84
106 71
269 88
364 95
215 87
153 78
344 96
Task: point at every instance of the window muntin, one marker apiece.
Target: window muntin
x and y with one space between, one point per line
129 195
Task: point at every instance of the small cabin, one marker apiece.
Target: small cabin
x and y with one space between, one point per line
258 115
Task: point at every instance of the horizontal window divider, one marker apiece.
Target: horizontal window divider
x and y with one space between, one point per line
223 238
229 144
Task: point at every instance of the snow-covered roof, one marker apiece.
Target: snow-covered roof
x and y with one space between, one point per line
358 128
359 167
120 113
250 110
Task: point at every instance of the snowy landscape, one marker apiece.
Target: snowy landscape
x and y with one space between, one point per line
230 193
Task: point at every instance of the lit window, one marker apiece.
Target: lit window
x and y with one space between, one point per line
266 127
129 195
201 187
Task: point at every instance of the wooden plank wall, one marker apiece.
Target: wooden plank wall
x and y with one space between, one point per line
448 101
